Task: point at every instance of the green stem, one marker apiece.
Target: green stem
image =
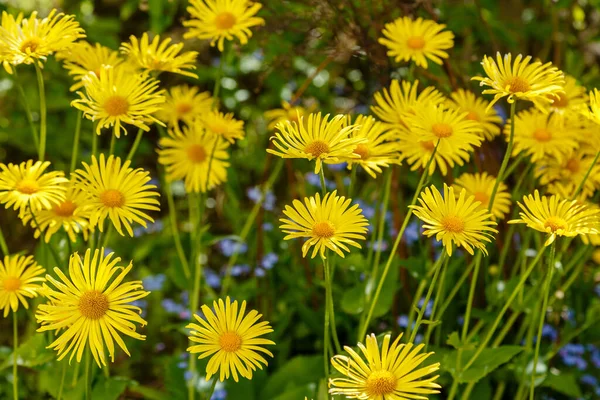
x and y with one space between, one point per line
94 143
48 245
322 178
352 181
111 150
465 329
75 151
15 346
456 287
34 133
329 302
62 380
506 155
380 229
546 292
40 79
75 375
217 87
439 295
326 328
585 177
107 233
88 375
175 229
136 143
212 387
3 245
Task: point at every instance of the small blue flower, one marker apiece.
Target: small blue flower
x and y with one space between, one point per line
268 227
403 321
228 247
379 246
589 380
219 394
269 260
367 211
548 331
337 167
412 233
313 179
154 282
182 364
259 272
160 346
428 308
238 270
212 278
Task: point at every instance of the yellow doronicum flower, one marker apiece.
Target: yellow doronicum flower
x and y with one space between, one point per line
481 186
391 372
231 338
319 139
417 40
563 176
223 125
27 186
159 55
118 192
593 112
184 104
32 40
327 223
186 154
93 305
287 112
19 280
455 219
521 80
570 101
477 109
118 97
220 20
557 217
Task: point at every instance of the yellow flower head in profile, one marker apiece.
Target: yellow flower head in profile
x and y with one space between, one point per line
231 338
394 104
118 97
186 153
521 80
287 112
328 223
118 192
387 373
477 109
417 40
540 135
184 104
223 125
93 306
380 149
32 40
593 112
319 139
72 215
19 280
571 100
455 219
557 217
83 58
159 55
220 20
481 186
27 186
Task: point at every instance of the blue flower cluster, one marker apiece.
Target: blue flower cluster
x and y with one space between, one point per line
228 247
181 308
254 194
152 227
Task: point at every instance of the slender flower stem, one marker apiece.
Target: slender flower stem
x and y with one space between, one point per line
546 292
322 177
175 229
438 296
217 87
585 177
62 380
40 79
212 387
136 143
107 233
327 319
94 143
465 329
329 301
49 245
363 329
88 375
75 151
352 181
507 155
34 133
15 347
111 150
3 245
456 287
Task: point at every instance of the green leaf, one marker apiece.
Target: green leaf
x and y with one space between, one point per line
388 291
111 388
565 384
454 340
486 362
296 372
31 353
353 299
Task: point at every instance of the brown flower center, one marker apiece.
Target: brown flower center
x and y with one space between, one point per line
472 116
542 135
517 84
316 148
381 383
28 186
428 145
112 198
560 100
183 108
93 304
363 151
415 42
481 196
225 20
65 209
30 45
323 229
11 284
573 165
116 105
453 224
196 153
441 130
555 223
230 342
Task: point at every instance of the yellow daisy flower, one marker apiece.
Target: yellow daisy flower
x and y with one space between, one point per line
184 104
330 223
223 125
393 104
481 186
93 306
218 20
417 40
535 82
458 219
563 176
378 151
32 40
477 109
387 373
118 192
318 138
231 338
571 100
19 280
593 112
287 112
540 135
83 58
159 56
72 215
186 154
119 97
557 217
26 185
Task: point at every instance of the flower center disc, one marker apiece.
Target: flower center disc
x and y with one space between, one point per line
453 224
428 145
28 186
11 284
183 108
196 153
230 342
317 148
555 224
441 130
472 116
29 45
542 135
380 383
481 196
363 151
112 198
323 229
225 20
415 42
93 304
116 105
560 100
65 209
516 84
573 165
